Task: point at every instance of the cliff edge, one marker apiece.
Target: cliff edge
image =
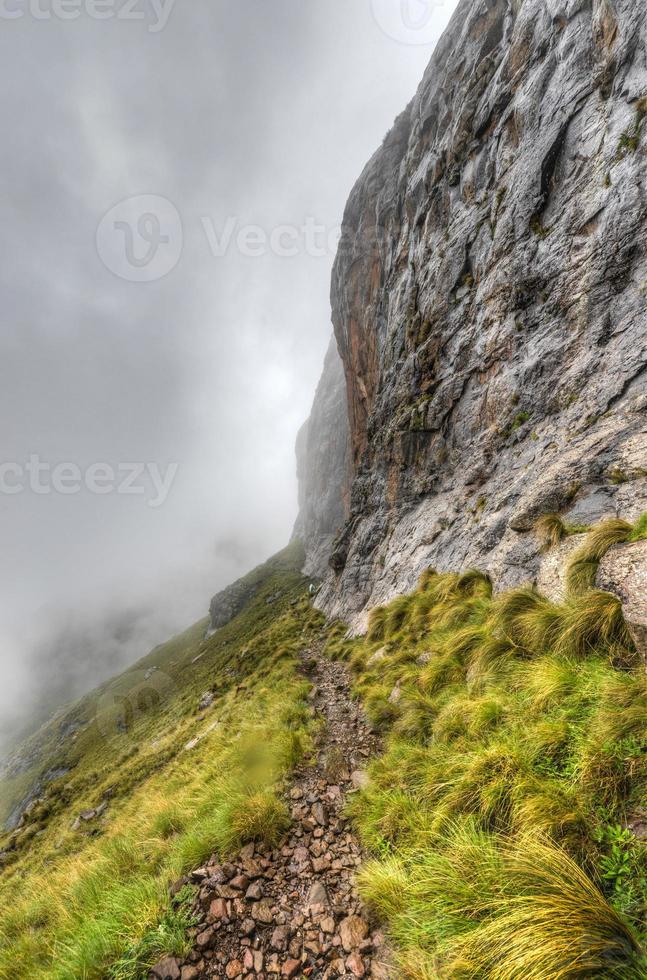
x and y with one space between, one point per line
489 306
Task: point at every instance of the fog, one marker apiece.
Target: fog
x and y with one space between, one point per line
188 373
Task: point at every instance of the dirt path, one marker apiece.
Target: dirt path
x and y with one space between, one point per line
294 911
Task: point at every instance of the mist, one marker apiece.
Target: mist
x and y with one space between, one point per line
238 129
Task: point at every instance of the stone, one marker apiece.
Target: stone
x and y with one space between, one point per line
491 345
247 852
280 938
206 700
317 894
239 882
321 864
291 968
551 576
247 927
320 814
262 912
360 779
189 973
396 694
353 930
166 969
355 964
376 658
233 969
255 892
623 571
205 938
219 909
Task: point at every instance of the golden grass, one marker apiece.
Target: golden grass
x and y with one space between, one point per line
516 747
550 530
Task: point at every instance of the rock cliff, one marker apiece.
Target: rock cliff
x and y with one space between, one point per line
489 305
323 467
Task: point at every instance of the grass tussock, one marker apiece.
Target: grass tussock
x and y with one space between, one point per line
582 569
550 530
514 754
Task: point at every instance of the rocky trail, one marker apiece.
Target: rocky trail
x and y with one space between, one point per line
294 911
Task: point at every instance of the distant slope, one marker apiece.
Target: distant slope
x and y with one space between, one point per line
149 765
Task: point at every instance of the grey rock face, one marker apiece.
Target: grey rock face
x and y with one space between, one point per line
551 573
228 603
323 467
623 571
489 299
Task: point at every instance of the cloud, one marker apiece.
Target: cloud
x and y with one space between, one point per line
261 112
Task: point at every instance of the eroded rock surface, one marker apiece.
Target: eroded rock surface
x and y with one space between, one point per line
489 299
553 566
623 571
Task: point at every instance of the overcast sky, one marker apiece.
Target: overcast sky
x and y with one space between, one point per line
214 116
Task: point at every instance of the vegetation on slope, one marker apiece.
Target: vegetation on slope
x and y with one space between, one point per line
92 900
500 816
504 816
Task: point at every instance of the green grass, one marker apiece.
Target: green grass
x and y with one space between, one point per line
94 902
639 532
513 758
496 816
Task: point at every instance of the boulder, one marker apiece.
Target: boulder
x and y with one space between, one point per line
552 569
623 571
353 930
166 969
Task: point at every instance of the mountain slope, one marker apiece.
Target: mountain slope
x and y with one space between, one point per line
151 773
